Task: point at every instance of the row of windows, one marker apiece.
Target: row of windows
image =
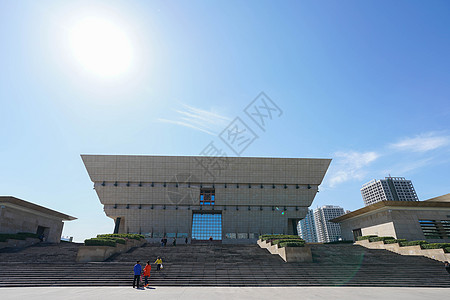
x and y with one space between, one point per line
230 235
200 185
194 207
435 229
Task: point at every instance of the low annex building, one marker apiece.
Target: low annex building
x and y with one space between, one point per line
412 220
230 199
17 215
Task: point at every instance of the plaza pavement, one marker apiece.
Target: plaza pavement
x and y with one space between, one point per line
219 293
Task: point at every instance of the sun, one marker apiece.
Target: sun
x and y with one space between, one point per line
101 47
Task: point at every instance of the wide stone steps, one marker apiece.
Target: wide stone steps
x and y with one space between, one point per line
225 265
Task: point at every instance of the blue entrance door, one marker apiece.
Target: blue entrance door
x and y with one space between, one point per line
206 226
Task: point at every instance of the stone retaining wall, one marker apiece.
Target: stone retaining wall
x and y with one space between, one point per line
101 253
288 254
436 254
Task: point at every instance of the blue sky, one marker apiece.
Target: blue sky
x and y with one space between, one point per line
365 83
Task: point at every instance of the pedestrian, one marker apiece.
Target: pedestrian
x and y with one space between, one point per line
165 241
186 240
447 267
174 242
162 242
146 274
137 274
158 263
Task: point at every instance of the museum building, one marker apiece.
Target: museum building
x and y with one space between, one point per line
228 199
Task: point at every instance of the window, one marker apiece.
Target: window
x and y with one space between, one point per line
207 196
435 229
206 226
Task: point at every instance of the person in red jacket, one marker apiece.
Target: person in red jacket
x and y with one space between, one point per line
146 274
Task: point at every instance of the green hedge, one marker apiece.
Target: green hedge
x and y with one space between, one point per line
17 236
100 242
380 238
122 235
29 235
435 246
447 250
365 237
277 242
115 239
291 244
412 243
393 241
266 237
340 242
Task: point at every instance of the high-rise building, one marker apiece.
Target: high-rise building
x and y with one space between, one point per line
388 189
327 231
307 228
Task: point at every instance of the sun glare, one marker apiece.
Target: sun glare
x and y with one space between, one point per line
101 47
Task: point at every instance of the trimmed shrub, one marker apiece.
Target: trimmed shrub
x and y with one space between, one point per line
122 235
100 242
29 235
365 237
412 243
117 240
447 250
393 241
340 242
380 238
266 237
16 236
291 244
4 237
435 246
277 242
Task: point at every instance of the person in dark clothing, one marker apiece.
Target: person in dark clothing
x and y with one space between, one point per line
165 241
447 267
186 241
137 274
174 242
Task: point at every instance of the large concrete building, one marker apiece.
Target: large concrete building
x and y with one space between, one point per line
17 215
232 199
388 189
412 220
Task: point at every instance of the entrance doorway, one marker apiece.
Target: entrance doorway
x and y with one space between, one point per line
206 226
356 233
42 233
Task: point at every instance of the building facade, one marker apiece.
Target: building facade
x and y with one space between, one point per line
327 231
307 228
231 199
412 220
17 215
388 189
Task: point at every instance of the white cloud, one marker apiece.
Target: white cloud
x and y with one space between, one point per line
353 165
422 143
404 168
206 121
350 165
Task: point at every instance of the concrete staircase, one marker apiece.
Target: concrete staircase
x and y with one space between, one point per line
224 265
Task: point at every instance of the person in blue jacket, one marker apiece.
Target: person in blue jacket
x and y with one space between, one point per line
137 274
